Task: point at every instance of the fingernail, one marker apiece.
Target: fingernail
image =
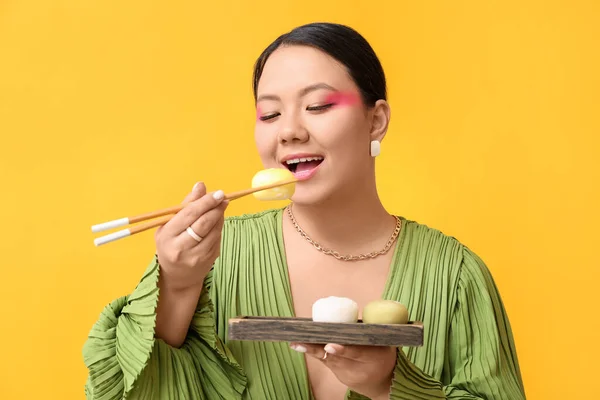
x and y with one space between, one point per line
299 348
218 195
329 349
196 186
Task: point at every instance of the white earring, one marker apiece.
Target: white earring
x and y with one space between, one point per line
375 148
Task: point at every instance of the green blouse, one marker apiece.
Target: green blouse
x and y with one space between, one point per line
468 350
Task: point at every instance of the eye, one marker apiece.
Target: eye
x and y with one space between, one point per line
268 116
320 108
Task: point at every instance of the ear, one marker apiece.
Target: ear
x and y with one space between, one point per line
380 120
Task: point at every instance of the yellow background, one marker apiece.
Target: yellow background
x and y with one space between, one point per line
115 107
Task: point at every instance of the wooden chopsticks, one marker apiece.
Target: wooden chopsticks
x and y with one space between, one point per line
165 213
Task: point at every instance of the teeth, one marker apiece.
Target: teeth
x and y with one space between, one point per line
299 160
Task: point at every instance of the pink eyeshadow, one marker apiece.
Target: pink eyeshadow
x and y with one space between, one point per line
342 99
258 113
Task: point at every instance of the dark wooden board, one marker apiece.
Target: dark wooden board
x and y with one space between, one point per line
304 330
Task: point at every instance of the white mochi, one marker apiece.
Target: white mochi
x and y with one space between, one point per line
335 309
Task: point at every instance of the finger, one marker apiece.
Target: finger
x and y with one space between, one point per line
191 212
209 248
312 350
318 352
197 191
357 353
202 227
207 221
213 239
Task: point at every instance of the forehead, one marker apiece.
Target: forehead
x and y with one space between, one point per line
291 68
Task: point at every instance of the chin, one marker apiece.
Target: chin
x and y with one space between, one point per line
312 193
307 199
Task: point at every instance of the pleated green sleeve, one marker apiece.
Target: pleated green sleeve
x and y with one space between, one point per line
125 360
481 361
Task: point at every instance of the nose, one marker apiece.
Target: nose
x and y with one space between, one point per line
292 130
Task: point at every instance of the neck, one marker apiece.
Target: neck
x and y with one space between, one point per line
351 222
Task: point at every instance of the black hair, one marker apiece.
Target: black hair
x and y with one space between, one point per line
344 44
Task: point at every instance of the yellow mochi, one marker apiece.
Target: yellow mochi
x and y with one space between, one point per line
385 312
271 176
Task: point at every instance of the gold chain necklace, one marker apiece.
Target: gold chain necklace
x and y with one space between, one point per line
337 255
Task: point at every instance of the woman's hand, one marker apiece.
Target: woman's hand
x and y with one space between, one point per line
367 370
184 261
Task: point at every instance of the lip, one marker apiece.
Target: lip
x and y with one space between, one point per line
305 175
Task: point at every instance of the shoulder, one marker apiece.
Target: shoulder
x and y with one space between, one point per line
442 248
424 238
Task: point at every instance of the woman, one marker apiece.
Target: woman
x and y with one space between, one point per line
321 105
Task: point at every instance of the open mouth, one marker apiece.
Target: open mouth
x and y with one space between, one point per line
303 167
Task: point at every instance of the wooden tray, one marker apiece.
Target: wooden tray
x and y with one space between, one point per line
304 330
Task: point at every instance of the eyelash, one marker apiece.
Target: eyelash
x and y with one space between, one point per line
315 108
319 108
268 117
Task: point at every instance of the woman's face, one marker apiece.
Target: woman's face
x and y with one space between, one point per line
311 119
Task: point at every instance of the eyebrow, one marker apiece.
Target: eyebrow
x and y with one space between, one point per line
303 92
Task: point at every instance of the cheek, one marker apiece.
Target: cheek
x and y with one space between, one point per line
265 142
343 130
